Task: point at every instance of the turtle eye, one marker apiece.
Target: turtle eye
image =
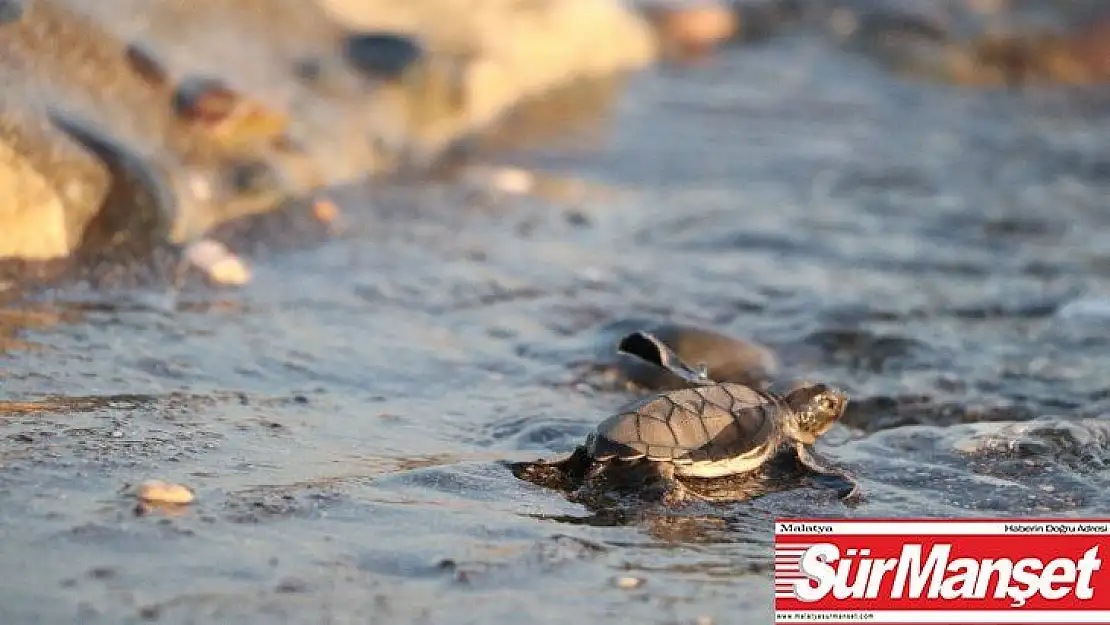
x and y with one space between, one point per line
827 404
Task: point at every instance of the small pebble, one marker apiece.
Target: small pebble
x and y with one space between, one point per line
325 210
231 117
694 27
577 219
156 491
217 262
204 99
704 620
629 583
291 585
102 572
843 22
592 274
509 180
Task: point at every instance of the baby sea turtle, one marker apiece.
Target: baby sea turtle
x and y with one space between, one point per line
710 430
596 361
732 359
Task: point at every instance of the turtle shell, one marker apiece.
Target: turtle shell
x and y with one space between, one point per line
704 424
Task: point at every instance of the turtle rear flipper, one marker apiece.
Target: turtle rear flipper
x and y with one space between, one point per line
849 492
563 473
648 347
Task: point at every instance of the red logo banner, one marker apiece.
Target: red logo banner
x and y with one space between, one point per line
934 571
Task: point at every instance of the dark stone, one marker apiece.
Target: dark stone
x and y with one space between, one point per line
252 177
309 69
11 11
146 65
382 54
204 99
102 572
291 585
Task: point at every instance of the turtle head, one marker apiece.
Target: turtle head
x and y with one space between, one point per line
815 408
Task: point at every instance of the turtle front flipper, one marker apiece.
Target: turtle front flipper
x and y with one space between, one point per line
649 348
850 494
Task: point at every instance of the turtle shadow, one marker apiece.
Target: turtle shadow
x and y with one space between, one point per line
613 496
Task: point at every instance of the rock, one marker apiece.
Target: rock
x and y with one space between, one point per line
231 118
288 69
382 54
51 187
107 94
325 210
694 27
499 180
625 582
217 262
206 111
159 492
292 585
481 59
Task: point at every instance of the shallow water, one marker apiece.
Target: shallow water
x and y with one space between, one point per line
941 254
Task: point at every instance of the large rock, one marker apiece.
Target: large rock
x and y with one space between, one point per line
50 187
477 60
198 112
88 79
285 53
485 56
